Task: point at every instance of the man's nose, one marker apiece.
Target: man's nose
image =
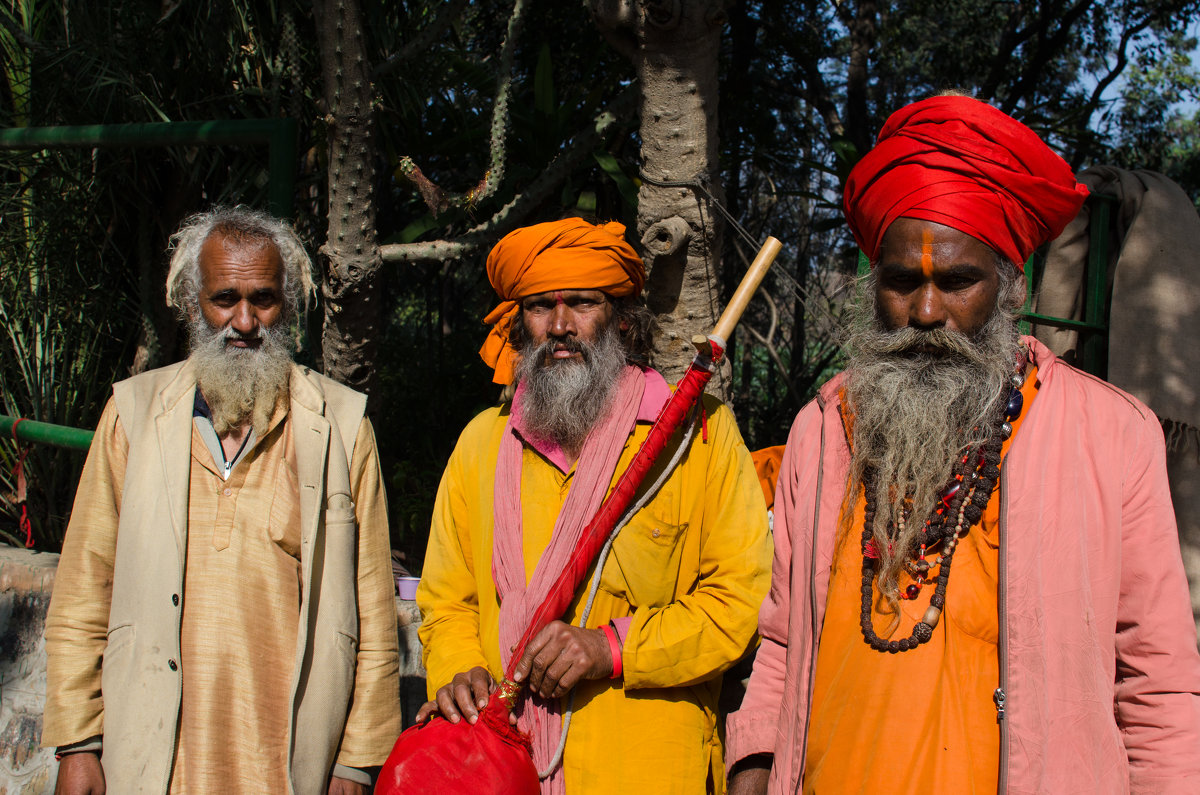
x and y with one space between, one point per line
244 321
927 309
562 321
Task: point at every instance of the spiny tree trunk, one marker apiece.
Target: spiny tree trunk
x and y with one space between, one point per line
676 59
350 257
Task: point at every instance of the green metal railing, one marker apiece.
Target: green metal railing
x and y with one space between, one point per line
278 134
1093 329
45 433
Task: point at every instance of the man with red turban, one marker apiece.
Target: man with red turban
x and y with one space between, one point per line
639 673
977 584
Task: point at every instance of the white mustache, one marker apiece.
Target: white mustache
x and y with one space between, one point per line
228 334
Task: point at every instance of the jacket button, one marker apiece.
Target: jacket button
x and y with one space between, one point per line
171 664
175 599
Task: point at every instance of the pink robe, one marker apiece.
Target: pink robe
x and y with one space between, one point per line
1098 656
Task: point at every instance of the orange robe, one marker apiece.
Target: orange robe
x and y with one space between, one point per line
921 721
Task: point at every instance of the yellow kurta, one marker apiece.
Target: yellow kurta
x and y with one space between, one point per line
240 610
691 569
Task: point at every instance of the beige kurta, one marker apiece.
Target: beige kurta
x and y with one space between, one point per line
240 605
243 548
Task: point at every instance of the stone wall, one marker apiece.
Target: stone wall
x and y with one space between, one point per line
26 580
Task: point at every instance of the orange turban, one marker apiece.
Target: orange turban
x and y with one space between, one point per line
960 162
570 254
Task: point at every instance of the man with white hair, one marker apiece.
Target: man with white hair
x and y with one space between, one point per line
223 615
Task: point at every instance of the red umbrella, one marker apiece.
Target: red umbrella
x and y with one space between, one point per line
491 755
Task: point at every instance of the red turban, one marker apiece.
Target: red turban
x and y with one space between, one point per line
960 162
560 255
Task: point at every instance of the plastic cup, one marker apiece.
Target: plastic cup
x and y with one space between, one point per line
407 587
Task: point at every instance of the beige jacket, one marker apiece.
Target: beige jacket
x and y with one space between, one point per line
140 685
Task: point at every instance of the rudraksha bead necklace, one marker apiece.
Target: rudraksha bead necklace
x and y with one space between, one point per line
965 498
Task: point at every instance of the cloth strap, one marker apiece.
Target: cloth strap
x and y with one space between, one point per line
19 479
541 718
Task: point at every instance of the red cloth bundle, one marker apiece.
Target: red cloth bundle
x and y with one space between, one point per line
491 756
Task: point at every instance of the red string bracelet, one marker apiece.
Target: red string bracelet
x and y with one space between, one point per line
614 646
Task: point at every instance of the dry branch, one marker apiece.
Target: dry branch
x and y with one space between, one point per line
511 215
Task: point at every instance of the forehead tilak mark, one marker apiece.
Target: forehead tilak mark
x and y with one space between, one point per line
927 253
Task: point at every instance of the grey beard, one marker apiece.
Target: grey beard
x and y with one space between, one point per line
564 399
240 384
915 412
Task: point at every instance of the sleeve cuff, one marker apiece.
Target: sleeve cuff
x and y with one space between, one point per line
747 735
93 744
352 774
621 626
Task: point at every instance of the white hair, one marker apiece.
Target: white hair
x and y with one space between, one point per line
240 223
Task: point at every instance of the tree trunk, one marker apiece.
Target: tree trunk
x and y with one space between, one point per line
676 62
350 257
858 77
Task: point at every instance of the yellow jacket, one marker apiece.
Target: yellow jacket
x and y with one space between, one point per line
691 569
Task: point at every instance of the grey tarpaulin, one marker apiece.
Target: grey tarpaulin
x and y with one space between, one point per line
1154 320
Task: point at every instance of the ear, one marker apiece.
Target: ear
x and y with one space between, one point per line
192 313
623 325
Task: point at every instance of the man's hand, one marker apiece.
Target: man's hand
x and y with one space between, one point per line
80 773
466 694
560 656
344 786
751 775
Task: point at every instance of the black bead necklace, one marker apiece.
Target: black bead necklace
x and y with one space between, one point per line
976 475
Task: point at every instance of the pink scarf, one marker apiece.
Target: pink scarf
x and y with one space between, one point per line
540 718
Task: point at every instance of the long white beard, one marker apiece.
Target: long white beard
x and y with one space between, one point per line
563 399
918 399
240 384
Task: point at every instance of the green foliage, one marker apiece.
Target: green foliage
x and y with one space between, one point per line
806 85
432 382
82 246
1157 124
63 319
436 109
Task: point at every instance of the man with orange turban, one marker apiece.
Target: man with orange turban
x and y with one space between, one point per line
1058 654
622 692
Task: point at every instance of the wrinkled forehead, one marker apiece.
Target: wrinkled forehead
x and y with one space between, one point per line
564 296
930 244
232 257
238 242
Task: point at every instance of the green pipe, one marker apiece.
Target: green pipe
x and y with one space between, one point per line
1094 350
233 131
1061 322
279 134
46 433
282 170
